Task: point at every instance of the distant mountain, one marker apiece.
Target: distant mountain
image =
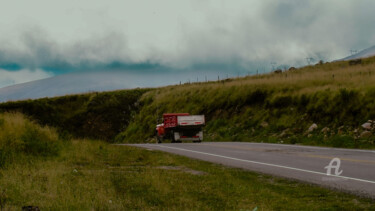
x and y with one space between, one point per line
74 83
362 54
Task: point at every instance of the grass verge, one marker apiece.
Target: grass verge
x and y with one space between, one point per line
93 175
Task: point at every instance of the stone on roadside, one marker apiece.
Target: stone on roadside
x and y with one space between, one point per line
325 130
365 134
264 124
283 134
312 128
367 126
340 130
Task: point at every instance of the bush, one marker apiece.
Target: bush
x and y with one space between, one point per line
39 141
20 137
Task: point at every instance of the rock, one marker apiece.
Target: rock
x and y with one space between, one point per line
30 208
283 134
367 126
365 134
312 128
356 131
264 124
370 121
309 136
355 62
325 130
340 130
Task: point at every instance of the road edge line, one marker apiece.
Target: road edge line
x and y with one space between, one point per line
270 164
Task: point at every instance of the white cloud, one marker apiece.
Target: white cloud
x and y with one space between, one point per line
181 33
8 78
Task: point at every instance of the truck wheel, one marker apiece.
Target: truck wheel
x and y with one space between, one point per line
172 138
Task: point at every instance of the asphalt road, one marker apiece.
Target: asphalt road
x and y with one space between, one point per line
304 163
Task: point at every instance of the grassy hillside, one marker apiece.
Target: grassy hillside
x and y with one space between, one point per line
273 107
39 169
337 97
93 115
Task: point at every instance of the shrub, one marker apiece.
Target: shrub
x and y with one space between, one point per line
20 137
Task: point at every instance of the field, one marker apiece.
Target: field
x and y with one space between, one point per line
64 174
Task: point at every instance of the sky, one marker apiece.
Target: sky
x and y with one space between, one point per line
45 38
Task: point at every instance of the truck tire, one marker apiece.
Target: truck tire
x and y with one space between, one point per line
172 137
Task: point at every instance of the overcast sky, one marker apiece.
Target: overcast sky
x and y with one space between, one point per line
43 38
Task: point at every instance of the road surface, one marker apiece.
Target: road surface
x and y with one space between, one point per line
353 171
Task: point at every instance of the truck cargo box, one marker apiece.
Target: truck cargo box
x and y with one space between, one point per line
170 120
191 120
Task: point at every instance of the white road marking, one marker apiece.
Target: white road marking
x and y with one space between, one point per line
269 164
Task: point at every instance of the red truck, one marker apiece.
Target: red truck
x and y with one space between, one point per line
180 127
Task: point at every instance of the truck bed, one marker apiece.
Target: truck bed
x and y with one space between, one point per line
191 120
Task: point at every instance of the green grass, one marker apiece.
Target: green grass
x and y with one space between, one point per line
93 175
22 139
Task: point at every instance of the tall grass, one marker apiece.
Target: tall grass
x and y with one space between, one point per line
22 139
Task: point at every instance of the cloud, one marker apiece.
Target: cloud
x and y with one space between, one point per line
8 78
213 35
285 32
34 48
